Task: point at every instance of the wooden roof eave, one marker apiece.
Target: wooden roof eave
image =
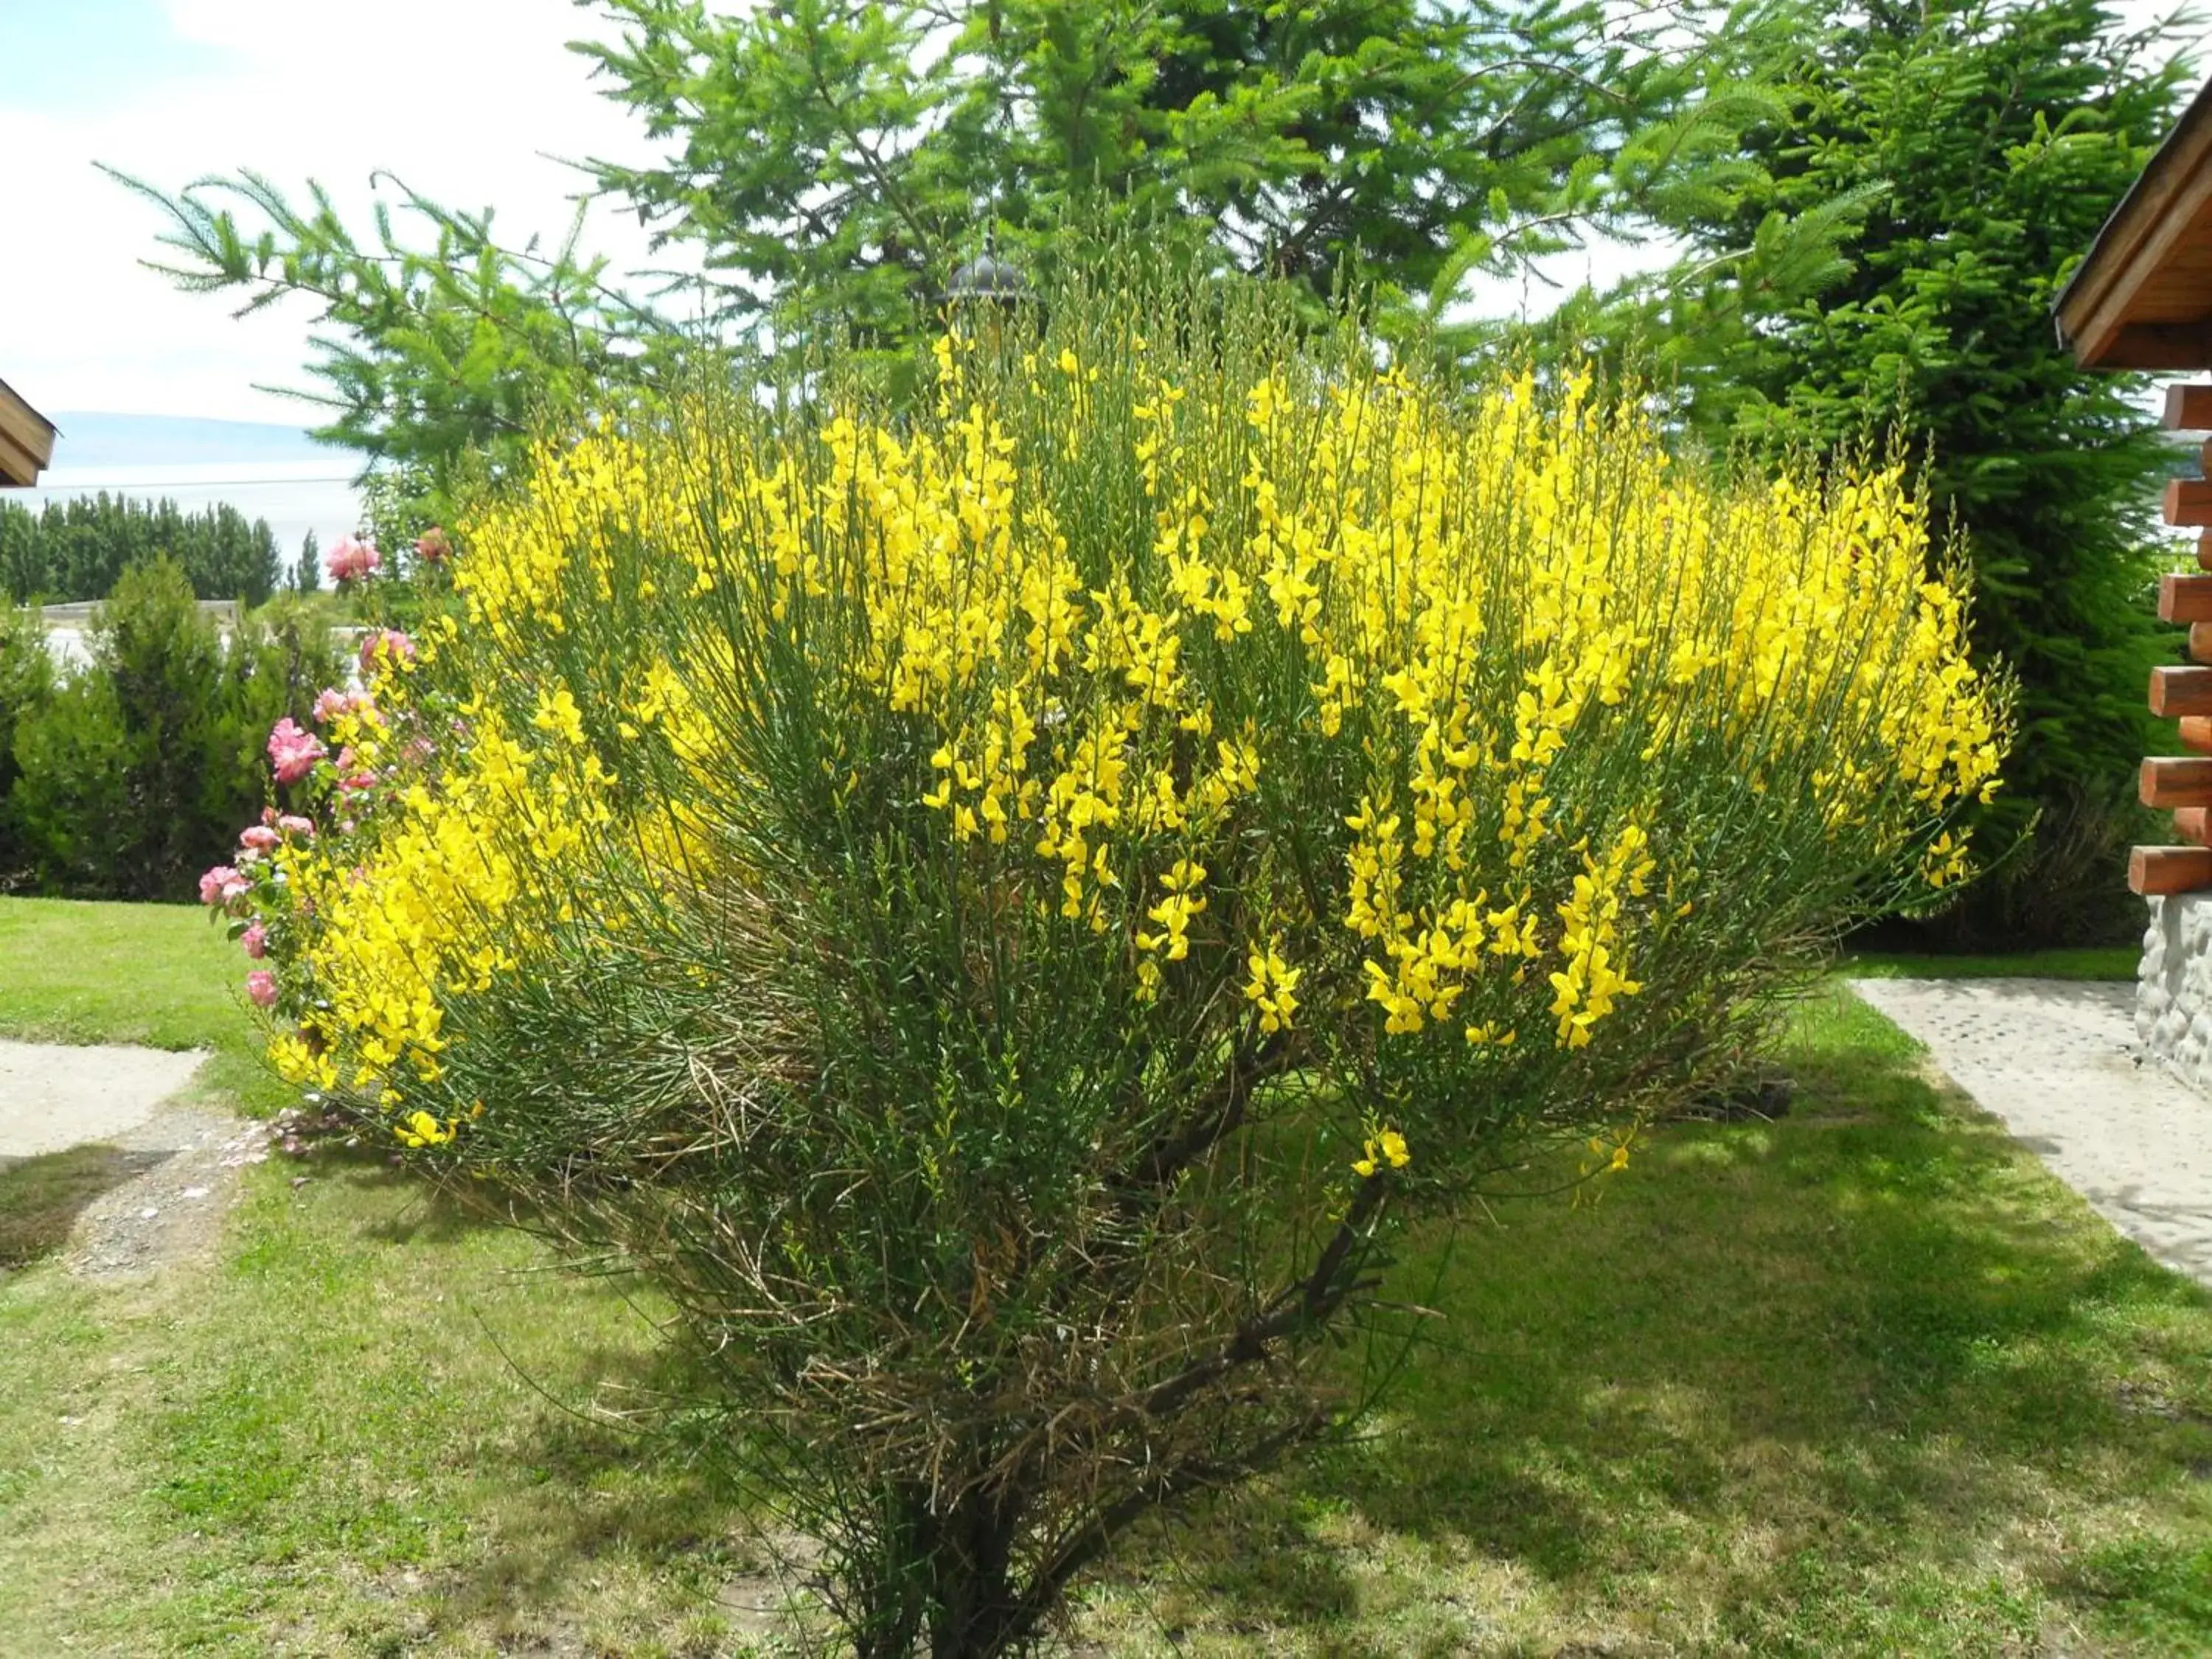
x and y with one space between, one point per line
2141 298
26 441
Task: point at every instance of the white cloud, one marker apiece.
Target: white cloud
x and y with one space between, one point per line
467 100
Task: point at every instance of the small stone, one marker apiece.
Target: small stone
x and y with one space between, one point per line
193 1192
148 1213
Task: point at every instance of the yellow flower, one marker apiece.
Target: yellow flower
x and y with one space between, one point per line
1384 1149
419 1128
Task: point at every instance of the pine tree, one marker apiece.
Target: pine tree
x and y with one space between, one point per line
830 163
1963 155
307 572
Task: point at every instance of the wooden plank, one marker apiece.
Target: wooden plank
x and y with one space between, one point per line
2204 549
2185 599
2172 780
2177 691
2188 500
2196 734
2194 826
2200 642
2158 870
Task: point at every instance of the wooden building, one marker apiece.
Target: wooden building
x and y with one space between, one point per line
2142 300
27 442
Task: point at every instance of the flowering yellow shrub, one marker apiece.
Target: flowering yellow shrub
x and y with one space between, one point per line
1437 602
994 904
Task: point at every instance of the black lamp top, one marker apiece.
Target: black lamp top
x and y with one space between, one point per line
986 277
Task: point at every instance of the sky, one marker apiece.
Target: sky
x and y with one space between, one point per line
470 102
463 98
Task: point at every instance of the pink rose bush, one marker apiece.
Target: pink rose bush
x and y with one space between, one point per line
352 560
223 885
334 769
293 751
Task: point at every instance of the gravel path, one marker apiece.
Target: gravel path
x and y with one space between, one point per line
55 1096
183 1159
2058 1062
172 1210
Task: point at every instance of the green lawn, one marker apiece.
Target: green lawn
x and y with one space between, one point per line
2099 962
162 975
1862 1381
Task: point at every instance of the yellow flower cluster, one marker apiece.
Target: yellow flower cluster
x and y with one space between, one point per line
1466 657
1385 1149
418 911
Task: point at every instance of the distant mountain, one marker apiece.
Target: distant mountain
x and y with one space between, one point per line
91 438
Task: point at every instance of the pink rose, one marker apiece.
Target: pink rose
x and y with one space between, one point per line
259 838
354 782
261 985
292 751
433 547
222 885
255 939
329 704
293 825
351 561
387 641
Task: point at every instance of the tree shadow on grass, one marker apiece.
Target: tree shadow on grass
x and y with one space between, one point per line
42 1197
586 1489
418 1209
1873 1339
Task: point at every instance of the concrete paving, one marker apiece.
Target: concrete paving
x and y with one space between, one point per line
54 1096
2058 1063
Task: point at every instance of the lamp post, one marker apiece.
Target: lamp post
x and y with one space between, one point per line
989 285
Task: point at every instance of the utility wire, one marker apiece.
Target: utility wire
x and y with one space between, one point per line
192 484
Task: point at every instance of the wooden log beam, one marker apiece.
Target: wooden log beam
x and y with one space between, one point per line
2200 641
2185 599
2196 734
2204 544
2188 500
2178 691
2188 408
2172 780
2155 870
2194 826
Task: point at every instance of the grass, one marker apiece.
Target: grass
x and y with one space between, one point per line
1862 1381
2097 962
161 975
1865 1380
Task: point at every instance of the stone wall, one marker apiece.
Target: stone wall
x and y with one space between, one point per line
2173 987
